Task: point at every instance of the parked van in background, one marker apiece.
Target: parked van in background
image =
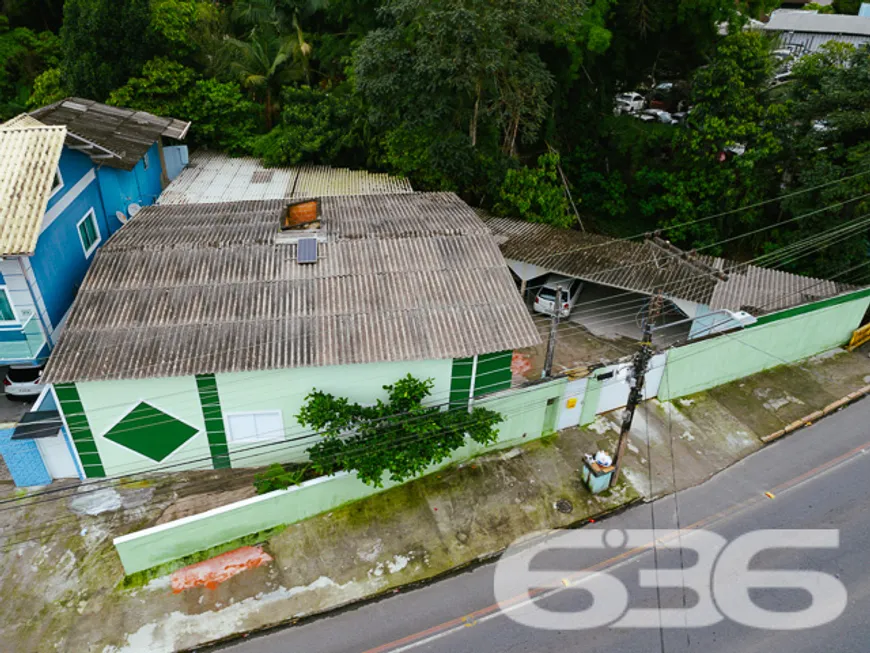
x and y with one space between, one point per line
545 300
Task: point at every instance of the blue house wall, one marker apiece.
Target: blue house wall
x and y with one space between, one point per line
121 188
59 262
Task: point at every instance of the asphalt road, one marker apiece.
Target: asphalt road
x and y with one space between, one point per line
818 479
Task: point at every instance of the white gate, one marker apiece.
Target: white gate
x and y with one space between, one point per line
615 386
572 404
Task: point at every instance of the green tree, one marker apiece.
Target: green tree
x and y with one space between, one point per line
24 55
461 64
183 27
273 50
262 65
727 156
316 126
47 89
400 436
827 139
221 116
847 6
536 194
104 43
820 9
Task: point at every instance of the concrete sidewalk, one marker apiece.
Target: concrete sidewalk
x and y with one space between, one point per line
63 577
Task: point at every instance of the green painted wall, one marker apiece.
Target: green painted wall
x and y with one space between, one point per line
460 381
80 429
492 374
285 390
525 411
214 420
201 404
780 338
590 399
108 403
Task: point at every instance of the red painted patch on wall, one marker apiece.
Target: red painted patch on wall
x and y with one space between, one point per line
213 572
521 363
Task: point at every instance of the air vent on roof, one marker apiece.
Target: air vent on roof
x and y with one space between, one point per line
306 250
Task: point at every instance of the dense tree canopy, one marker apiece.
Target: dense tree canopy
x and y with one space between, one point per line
509 103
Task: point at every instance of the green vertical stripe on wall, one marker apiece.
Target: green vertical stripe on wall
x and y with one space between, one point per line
214 420
80 429
460 382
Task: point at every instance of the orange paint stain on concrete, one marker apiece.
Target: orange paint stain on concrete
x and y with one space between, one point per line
213 572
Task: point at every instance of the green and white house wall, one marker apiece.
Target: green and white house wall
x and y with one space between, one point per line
244 419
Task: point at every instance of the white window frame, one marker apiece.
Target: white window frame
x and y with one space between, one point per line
93 215
270 437
17 320
59 179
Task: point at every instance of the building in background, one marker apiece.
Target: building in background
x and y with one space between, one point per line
72 173
804 32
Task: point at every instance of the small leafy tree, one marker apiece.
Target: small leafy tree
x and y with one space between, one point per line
536 194
47 89
400 435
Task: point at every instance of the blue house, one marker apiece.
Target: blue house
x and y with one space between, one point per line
71 174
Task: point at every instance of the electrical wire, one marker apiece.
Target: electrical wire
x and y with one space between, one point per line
188 462
528 407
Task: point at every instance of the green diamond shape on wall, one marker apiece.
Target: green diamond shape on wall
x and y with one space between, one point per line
150 432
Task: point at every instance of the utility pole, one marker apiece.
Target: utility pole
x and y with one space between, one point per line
551 344
638 374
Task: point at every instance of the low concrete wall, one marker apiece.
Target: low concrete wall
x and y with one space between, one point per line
776 339
529 413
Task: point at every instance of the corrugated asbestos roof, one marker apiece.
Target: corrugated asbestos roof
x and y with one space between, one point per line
323 181
644 267
113 136
638 267
804 21
215 177
29 154
203 288
760 290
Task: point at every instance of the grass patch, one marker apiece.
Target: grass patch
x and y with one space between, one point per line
142 578
135 485
549 440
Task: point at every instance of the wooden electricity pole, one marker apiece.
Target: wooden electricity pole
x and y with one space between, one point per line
551 344
640 365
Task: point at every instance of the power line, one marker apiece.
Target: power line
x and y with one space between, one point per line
190 461
670 255
360 448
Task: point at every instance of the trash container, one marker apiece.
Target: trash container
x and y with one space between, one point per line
596 477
